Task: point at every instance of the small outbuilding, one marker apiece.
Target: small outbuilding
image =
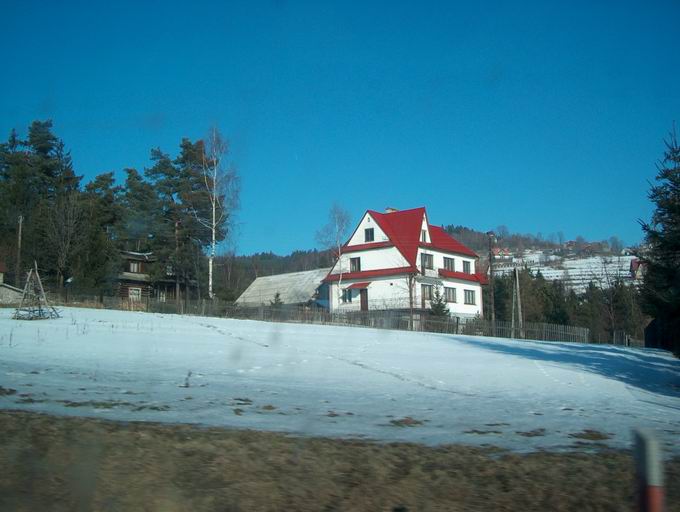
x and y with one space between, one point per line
294 288
8 294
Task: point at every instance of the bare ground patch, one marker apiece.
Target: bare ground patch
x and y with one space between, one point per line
591 435
407 421
537 432
62 464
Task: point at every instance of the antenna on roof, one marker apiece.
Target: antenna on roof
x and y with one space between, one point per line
389 209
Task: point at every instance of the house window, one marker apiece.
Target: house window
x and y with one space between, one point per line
466 267
469 297
423 236
135 267
426 260
426 290
355 264
346 295
162 296
449 264
450 294
368 235
135 294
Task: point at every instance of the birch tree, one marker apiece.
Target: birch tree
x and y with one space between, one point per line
332 235
220 186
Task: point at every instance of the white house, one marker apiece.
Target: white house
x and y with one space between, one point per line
396 259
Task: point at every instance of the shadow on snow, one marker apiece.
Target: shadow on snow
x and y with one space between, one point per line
647 369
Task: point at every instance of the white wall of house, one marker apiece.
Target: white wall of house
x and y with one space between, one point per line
373 259
425 227
383 293
392 293
358 237
438 260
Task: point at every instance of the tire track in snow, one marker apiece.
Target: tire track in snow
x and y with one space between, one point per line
359 364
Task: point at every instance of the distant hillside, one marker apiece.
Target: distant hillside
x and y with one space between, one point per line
518 243
478 241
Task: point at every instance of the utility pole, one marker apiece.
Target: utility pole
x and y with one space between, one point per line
492 239
517 297
17 271
176 268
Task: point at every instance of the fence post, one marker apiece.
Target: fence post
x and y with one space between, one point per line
649 471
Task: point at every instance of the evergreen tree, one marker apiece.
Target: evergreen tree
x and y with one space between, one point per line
277 300
142 224
98 262
438 307
661 290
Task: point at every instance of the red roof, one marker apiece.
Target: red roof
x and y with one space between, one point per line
443 241
359 285
371 273
369 245
477 278
403 229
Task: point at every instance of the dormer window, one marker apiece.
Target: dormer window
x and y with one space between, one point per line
423 236
368 235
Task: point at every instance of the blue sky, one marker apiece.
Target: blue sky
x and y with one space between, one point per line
542 116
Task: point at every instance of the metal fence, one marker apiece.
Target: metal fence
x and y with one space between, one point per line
380 319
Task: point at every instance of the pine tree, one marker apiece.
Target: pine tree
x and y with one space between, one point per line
661 289
97 264
277 300
438 305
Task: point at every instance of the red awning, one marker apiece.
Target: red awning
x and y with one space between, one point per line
359 285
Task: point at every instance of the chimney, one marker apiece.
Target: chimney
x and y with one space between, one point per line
389 209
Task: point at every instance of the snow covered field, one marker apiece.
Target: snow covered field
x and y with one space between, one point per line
337 381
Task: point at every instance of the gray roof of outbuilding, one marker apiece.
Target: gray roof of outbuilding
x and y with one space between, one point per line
293 288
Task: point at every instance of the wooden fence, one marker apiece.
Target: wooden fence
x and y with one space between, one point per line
379 319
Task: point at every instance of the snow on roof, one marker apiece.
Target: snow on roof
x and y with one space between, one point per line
293 288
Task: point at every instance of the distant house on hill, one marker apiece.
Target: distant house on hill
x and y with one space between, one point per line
637 269
397 259
136 284
502 253
8 294
299 288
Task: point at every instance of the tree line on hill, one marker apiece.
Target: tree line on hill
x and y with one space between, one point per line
517 243
75 231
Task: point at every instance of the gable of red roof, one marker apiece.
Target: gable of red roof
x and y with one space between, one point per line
403 229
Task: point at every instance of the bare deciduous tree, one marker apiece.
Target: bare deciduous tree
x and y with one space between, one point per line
63 230
332 235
